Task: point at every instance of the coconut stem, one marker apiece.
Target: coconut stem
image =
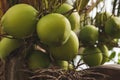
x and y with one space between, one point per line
114 6
118 13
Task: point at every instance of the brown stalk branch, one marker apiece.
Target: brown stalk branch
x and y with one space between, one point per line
114 6
93 6
118 13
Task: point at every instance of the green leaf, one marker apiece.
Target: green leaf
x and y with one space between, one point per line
118 58
113 54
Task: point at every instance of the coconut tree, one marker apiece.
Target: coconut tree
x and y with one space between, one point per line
59 39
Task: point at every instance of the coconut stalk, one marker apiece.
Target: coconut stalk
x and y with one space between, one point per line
118 13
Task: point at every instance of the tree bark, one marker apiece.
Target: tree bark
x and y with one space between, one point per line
13 69
112 71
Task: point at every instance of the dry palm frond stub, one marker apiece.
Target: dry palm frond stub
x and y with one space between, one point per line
59 74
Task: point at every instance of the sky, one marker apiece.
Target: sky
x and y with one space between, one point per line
107 7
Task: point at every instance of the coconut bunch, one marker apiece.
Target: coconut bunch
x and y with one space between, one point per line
42 38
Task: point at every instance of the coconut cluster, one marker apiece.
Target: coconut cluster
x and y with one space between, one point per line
47 40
